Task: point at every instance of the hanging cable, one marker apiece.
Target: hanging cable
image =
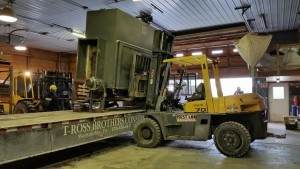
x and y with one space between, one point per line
77 4
244 9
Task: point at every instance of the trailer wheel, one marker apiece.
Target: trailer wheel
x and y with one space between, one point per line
147 133
232 139
20 108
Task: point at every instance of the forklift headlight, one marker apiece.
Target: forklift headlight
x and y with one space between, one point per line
27 73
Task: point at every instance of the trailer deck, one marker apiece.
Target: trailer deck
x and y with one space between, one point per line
16 120
27 135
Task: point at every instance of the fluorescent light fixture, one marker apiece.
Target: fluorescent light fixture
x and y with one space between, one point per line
77 33
179 55
196 53
27 73
235 50
21 47
7 14
217 51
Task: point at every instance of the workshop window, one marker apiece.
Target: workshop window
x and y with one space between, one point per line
278 92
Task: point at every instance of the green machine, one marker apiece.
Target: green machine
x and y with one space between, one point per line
113 62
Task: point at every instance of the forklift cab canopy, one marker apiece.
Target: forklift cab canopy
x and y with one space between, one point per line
203 62
189 60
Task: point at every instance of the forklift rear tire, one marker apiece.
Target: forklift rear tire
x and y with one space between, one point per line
147 133
20 108
232 139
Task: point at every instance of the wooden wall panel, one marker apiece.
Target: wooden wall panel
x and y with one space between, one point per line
37 59
42 64
239 72
21 61
223 62
73 65
237 62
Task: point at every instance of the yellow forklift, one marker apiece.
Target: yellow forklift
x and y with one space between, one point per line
16 94
232 121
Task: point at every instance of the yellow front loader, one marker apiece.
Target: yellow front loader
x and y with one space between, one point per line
16 94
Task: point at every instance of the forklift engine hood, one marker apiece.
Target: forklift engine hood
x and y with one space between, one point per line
250 102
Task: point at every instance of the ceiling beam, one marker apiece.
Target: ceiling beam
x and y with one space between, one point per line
212 33
208 29
201 45
209 38
282 73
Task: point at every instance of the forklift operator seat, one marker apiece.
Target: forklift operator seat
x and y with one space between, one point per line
199 94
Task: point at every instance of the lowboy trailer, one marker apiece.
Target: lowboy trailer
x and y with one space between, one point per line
27 135
113 65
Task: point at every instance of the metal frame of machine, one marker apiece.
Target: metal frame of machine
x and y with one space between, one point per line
119 74
43 79
6 91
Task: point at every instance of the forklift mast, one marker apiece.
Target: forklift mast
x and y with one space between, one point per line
159 71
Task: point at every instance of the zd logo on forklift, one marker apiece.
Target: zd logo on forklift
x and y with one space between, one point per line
186 118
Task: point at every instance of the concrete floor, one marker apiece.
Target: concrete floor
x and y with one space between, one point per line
270 153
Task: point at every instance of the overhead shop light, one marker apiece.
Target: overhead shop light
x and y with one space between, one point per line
71 30
7 14
20 44
179 55
21 47
196 53
27 73
78 33
216 52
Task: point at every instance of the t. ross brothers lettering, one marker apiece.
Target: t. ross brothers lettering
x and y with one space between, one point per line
112 124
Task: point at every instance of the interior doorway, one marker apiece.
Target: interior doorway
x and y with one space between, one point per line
278 101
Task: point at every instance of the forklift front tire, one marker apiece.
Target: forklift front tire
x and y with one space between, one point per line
147 133
232 139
